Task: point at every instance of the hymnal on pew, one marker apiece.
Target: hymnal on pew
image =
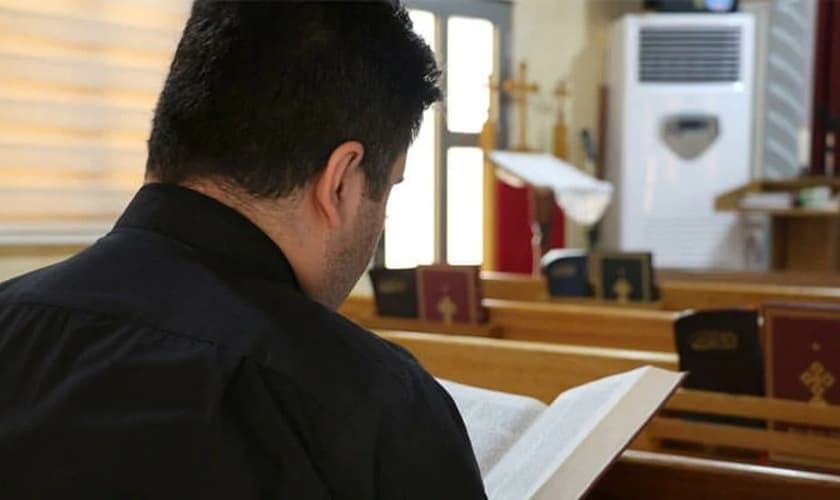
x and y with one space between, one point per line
720 350
450 294
802 356
623 276
567 273
526 449
395 291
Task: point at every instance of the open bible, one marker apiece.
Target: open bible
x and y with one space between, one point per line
526 449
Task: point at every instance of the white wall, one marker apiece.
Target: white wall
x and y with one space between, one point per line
565 40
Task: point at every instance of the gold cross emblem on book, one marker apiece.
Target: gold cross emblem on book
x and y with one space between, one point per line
818 380
447 308
623 289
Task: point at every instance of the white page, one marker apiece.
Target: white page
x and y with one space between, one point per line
494 420
536 456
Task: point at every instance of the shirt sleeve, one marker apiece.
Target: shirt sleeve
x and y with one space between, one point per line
425 451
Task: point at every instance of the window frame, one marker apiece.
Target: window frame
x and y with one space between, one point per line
497 12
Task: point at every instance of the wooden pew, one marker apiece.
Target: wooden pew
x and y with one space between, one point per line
681 289
545 370
535 369
592 325
652 476
680 295
788 278
510 286
583 322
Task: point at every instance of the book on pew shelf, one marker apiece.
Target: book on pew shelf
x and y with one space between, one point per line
623 276
802 356
526 449
720 350
395 292
450 294
567 273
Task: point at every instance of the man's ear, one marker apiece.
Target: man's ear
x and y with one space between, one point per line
343 166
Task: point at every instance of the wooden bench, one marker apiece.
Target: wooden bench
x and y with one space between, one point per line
543 371
538 370
593 325
681 289
654 476
688 294
590 322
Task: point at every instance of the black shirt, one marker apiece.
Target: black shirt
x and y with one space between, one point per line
177 357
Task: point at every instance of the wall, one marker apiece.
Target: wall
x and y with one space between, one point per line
568 39
784 83
19 259
565 40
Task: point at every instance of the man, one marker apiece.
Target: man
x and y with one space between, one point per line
194 351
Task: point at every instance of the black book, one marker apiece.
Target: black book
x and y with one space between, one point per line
395 292
567 273
623 276
692 5
721 351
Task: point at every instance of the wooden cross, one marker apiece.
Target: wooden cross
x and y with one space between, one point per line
520 89
560 131
622 288
818 380
447 308
562 93
487 140
493 108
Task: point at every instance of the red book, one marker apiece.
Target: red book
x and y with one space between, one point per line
450 294
802 354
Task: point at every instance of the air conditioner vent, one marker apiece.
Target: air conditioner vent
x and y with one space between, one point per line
690 55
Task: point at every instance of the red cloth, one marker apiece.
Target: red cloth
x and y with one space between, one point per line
826 83
513 229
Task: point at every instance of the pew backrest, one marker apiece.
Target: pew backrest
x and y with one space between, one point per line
533 369
655 476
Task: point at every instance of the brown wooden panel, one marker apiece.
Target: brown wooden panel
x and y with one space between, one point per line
511 286
534 369
588 325
806 244
689 289
681 295
792 278
732 405
653 476
614 327
817 448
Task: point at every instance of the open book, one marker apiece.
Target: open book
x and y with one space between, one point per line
526 449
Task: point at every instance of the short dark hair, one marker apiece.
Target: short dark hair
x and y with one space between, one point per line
261 92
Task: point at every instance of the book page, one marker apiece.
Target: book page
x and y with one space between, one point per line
535 457
494 420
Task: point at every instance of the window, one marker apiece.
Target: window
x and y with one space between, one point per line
78 84
77 90
410 226
437 214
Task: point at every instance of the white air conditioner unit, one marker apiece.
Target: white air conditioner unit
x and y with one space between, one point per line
680 133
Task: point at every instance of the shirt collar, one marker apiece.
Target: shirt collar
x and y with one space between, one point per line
208 226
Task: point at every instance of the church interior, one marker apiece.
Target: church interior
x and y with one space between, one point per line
608 184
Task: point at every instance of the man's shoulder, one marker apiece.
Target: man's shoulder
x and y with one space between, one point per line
341 359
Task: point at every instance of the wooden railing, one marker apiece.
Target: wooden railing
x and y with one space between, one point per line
680 289
589 325
819 450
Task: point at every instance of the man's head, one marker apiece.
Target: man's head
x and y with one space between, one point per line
298 114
